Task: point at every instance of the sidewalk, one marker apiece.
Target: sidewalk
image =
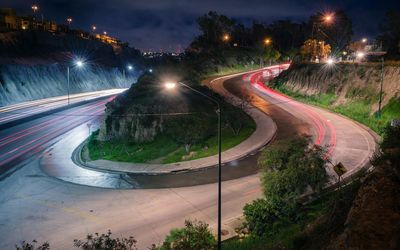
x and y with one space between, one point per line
264 133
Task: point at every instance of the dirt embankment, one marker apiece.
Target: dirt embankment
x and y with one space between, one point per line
347 81
374 218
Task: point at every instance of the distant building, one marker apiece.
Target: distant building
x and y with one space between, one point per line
108 39
8 19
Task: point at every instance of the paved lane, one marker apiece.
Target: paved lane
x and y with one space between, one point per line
21 110
36 206
19 143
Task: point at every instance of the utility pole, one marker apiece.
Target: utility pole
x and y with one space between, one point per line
68 82
380 92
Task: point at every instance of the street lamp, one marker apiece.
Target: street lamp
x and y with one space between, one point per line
330 61
267 42
94 28
77 63
35 8
69 20
364 40
326 18
360 55
381 89
226 38
129 67
172 85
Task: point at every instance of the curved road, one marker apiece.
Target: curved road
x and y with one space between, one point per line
36 206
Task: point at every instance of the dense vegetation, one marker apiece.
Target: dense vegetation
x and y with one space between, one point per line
180 126
343 93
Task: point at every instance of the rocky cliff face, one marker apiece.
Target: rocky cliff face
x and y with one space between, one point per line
346 81
374 218
33 65
140 114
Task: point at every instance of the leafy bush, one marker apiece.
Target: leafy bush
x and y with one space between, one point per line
32 246
260 216
290 167
105 242
194 236
390 146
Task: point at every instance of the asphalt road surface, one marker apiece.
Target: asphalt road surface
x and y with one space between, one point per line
34 205
21 110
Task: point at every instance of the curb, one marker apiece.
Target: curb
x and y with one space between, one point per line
79 161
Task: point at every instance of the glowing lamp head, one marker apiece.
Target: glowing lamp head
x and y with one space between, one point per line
360 55
328 18
94 27
170 85
130 67
330 61
35 8
226 37
69 19
267 41
364 40
79 63
151 70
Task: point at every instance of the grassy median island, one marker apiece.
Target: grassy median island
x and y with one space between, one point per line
149 125
164 149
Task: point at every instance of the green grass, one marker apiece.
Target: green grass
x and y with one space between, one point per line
164 148
130 152
228 140
291 234
358 107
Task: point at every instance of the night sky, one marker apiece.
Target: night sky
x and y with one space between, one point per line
171 24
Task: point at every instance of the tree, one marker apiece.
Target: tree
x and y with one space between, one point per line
212 27
105 242
390 34
196 235
289 168
287 35
32 246
188 130
315 50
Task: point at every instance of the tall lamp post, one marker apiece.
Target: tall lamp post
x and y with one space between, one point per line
267 42
171 85
327 19
79 64
129 68
381 89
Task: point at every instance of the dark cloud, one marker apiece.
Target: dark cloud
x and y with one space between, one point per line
166 24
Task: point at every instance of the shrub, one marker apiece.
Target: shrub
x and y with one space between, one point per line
32 246
196 235
105 242
260 216
289 167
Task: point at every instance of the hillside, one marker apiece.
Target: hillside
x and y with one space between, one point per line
149 123
33 65
349 89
